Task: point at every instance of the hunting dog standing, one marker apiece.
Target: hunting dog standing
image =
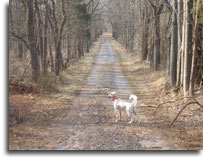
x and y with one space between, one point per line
129 107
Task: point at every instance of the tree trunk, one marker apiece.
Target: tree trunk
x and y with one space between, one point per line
20 50
145 21
169 56
41 47
45 65
188 46
200 55
183 44
144 46
157 9
32 41
69 50
180 23
51 57
79 49
151 54
174 46
87 46
195 46
40 35
157 43
58 59
58 32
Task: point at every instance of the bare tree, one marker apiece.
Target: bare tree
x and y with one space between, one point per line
58 32
180 23
174 45
187 44
145 14
195 47
157 7
32 40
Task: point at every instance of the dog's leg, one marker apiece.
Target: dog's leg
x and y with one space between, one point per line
130 116
117 115
137 115
131 120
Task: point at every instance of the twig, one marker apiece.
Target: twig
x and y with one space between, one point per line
194 102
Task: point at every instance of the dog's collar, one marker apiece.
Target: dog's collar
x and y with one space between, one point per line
114 98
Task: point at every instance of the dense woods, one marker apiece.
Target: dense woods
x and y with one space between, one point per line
166 33
54 34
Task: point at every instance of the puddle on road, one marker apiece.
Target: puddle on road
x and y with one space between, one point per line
71 143
153 144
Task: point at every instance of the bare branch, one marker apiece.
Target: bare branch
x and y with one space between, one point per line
152 4
20 38
160 8
195 102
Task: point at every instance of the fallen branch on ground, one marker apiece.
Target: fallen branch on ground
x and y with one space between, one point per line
170 102
194 102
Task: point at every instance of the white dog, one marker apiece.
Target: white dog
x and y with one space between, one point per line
129 107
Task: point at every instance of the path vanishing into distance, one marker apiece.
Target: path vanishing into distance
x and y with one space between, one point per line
91 118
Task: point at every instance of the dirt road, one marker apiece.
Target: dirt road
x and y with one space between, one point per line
91 118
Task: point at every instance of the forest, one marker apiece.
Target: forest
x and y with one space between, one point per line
170 37
65 56
54 32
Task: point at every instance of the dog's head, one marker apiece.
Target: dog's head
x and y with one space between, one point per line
112 94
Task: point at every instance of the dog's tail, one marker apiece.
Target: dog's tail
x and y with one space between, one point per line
134 97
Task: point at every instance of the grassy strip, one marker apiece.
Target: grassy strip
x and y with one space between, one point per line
137 73
73 79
